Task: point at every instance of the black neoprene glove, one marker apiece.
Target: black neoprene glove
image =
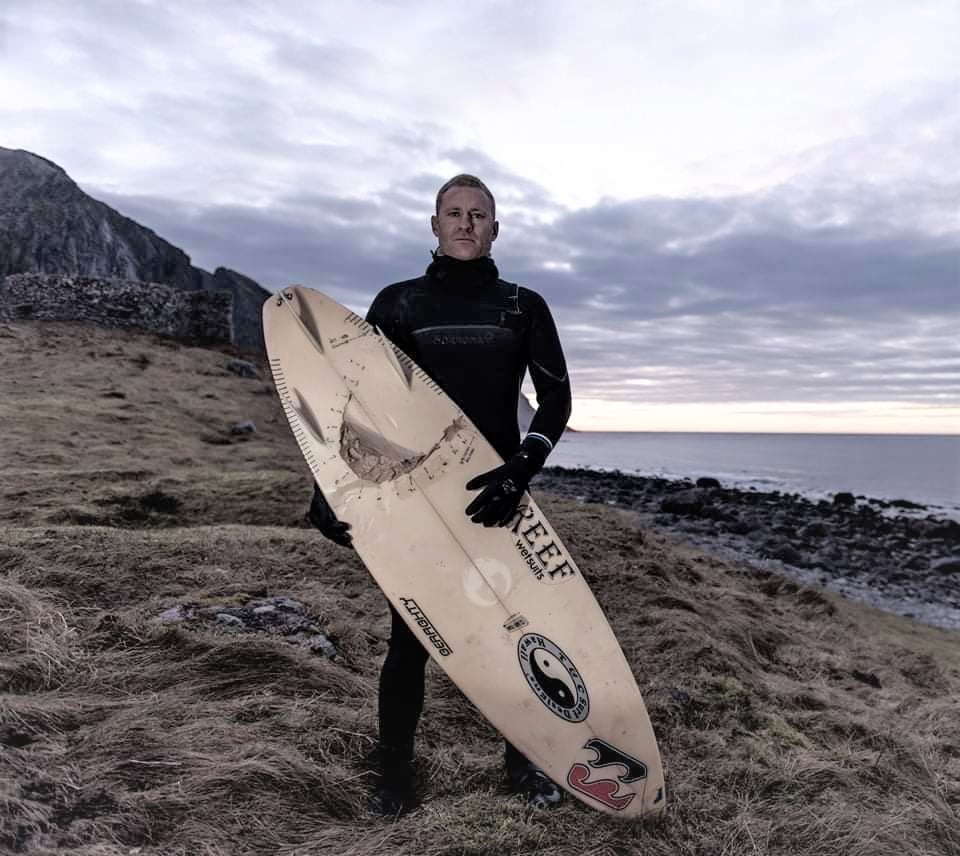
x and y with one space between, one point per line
321 515
503 487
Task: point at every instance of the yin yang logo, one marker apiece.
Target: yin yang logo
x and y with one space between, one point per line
553 677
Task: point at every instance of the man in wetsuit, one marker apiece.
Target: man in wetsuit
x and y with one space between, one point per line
476 336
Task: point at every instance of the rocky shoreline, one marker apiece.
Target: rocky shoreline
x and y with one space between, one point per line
892 555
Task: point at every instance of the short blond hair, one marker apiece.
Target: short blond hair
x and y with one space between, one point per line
466 180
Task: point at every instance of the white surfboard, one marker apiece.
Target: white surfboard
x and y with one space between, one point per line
504 611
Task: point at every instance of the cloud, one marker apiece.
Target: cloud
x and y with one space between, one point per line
710 216
658 300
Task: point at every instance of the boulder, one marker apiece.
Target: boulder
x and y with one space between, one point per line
947 530
787 553
276 616
815 529
686 503
243 368
950 565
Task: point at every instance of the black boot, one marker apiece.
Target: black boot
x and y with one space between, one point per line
395 794
527 779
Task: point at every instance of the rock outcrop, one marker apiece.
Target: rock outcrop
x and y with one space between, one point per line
48 225
248 297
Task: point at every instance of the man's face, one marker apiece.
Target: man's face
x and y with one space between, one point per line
465 226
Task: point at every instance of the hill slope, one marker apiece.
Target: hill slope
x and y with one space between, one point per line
49 225
790 723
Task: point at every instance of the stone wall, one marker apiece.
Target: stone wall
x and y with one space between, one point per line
193 316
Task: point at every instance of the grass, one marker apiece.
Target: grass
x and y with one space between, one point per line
790 722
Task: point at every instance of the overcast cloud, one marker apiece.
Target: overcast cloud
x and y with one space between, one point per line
736 202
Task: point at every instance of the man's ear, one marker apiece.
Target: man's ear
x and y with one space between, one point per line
435 225
495 230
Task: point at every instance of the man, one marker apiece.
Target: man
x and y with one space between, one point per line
476 336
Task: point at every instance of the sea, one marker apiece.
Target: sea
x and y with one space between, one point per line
923 469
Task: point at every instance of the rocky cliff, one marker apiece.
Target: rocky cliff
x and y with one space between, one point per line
48 225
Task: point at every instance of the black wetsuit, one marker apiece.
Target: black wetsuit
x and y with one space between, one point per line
476 336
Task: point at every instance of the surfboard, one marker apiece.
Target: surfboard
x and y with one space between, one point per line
504 611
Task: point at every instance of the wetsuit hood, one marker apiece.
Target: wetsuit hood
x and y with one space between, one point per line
453 272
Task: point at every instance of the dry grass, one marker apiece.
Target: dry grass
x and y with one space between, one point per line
790 722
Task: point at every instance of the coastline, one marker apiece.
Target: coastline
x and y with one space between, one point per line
892 555
921 468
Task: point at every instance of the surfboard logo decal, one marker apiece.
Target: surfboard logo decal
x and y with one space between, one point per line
426 626
539 548
606 791
553 677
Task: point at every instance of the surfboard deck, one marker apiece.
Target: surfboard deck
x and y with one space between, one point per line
504 611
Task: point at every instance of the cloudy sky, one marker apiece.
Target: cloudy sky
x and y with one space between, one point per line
743 213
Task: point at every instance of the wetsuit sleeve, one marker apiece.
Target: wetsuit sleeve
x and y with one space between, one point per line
548 370
375 312
388 314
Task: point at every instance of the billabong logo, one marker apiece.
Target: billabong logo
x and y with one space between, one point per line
606 790
424 623
553 677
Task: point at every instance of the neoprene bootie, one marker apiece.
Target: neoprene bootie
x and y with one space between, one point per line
395 793
539 790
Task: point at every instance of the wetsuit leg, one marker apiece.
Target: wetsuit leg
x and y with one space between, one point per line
401 688
515 761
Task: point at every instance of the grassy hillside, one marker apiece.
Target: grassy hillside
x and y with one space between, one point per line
790 722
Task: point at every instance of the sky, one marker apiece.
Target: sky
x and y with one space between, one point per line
742 213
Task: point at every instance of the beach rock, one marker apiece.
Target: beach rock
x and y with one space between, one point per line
707 481
950 565
687 503
816 529
787 553
741 526
243 429
905 503
886 559
947 530
844 499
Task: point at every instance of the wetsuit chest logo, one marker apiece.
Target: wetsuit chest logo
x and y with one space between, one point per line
460 336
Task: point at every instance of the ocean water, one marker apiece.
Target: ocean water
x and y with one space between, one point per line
922 469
